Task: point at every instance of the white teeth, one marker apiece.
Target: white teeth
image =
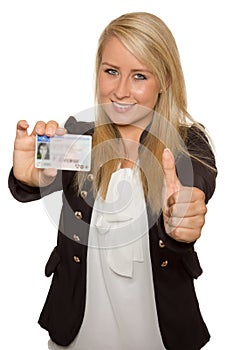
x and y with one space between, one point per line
123 106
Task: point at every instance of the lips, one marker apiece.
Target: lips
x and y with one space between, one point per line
122 107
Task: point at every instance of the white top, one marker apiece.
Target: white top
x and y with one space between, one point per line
120 309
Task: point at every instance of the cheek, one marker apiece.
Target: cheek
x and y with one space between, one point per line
103 88
154 99
147 96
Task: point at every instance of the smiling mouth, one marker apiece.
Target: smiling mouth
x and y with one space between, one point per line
122 107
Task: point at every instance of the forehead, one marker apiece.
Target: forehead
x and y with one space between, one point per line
115 53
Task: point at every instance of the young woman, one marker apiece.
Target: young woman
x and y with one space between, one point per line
124 263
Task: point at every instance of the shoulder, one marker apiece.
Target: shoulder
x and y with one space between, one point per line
73 126
202 168
198 143
193 134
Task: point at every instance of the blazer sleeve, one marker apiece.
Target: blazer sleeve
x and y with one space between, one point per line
24 193
199 168
193 173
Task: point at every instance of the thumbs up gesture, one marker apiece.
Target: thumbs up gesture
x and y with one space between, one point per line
184 208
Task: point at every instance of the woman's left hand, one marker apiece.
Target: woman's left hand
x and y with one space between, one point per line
184 207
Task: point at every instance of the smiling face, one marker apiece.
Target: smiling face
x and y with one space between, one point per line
127 88
43 150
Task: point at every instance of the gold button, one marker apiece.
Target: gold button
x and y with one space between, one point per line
83 194
161 244
78 215
76 259
76 237
164 263
90 177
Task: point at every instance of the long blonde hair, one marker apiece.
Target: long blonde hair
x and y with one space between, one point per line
149 39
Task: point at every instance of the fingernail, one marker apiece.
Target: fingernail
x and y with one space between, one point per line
40 131
49 131
61 131
167 151
25 124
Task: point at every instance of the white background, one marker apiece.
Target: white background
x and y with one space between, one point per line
46 72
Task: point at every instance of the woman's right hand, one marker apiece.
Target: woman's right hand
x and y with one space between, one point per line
24 153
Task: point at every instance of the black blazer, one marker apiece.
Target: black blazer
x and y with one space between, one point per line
174 264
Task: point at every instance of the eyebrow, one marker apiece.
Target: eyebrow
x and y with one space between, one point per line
132 70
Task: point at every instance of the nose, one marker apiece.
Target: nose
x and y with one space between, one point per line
122 88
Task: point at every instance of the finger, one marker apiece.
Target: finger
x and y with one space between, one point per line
192 222
197 194
21 129
186 209
185 235
51 128
171 181
46 176
187 194
61 131
39 128
50 172
48 129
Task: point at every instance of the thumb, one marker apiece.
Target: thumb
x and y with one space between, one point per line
21 129
171 181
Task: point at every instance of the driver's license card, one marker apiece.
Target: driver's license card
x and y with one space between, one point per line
67 152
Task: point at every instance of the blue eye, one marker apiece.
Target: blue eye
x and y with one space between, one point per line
111 71
140 76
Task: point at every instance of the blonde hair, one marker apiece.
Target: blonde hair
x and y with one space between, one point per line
149 39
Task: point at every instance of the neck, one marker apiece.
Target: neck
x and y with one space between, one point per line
130 136
130 132
135 130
